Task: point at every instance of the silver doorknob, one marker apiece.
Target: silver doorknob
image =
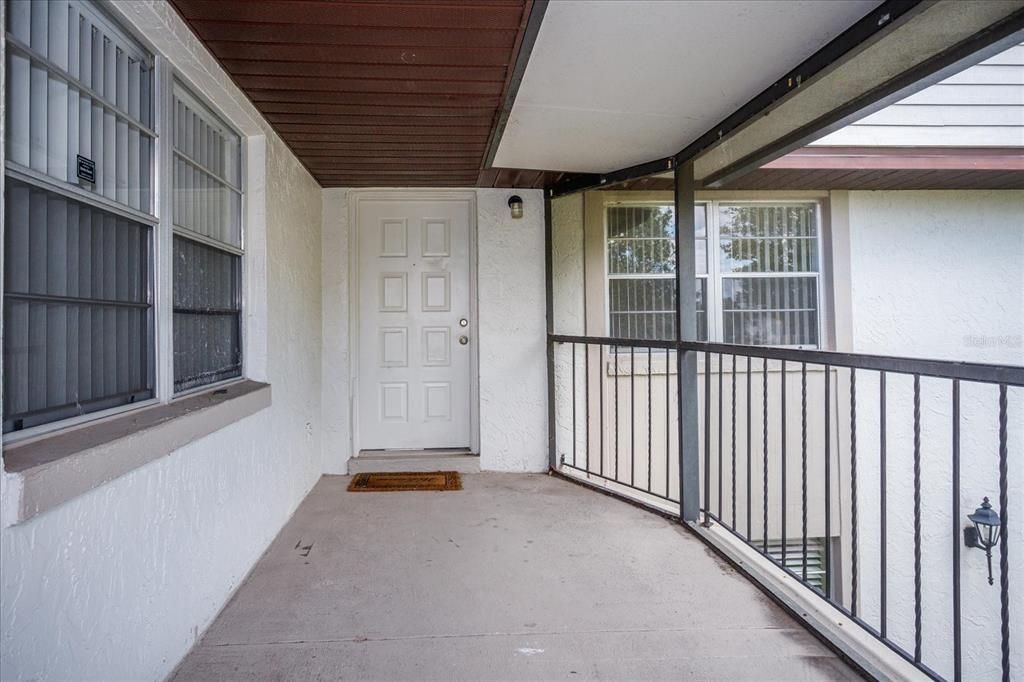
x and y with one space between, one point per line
463 322
463 340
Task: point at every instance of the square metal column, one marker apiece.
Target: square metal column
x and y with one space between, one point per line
686 300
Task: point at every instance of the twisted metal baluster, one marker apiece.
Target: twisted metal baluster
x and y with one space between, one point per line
917 518
803 466
1004 557
853 492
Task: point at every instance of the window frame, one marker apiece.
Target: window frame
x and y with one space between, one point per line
717 275
159 343
174 230
714 274
608 276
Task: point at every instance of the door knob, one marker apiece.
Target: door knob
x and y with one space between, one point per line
463 322
463 340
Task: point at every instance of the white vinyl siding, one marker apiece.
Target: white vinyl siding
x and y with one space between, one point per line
207 215
982 106
78 261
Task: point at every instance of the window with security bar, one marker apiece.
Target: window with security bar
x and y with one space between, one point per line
79 215
769 273
81 225
759 287
641 266
207 213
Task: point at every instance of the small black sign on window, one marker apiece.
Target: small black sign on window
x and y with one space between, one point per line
86 169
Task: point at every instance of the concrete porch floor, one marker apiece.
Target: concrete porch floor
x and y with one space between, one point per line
515 577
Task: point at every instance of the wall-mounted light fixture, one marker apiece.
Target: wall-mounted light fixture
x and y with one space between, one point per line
984 534
515 204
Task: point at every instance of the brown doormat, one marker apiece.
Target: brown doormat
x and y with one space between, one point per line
405 480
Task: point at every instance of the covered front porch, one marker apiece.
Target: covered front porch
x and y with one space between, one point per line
710 428
517 576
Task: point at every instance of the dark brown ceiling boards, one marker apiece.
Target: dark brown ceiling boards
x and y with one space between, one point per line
372 93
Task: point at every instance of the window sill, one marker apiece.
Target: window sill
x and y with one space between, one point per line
48 471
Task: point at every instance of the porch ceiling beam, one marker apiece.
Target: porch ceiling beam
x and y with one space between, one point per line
900 158
940 39
900 47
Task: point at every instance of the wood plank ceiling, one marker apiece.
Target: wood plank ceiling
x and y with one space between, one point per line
381 93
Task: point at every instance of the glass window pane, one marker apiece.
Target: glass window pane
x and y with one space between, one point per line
207 314
641 240
77 315
207 171
642 308
52 121
702 309
207 203
768 238
778 311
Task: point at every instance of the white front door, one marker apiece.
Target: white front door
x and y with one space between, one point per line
414 324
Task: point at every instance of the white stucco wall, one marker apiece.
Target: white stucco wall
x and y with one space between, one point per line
119 582
513 381
936 275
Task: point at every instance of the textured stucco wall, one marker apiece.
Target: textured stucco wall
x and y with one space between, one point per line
118 583
513 382
337 381
937 275
513 360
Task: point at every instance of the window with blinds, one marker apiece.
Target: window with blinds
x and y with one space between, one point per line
796 560
769 262
760 289
79 217
207 215
642 269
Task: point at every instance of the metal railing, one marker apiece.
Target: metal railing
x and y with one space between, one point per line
806 457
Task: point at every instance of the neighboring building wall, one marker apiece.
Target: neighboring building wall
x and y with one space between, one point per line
119 582
934 275
513 380
982 106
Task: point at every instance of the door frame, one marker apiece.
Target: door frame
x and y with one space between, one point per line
355 196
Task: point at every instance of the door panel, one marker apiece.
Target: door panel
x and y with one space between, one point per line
414 290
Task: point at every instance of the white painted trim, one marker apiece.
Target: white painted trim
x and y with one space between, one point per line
50 471
354 198
875 658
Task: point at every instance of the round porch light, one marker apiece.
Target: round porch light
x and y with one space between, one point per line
515 204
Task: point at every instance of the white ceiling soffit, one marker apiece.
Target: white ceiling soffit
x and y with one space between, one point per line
613 83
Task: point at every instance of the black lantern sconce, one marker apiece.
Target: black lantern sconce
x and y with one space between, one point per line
984 534
515 205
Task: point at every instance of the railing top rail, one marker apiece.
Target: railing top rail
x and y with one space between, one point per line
1010 375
